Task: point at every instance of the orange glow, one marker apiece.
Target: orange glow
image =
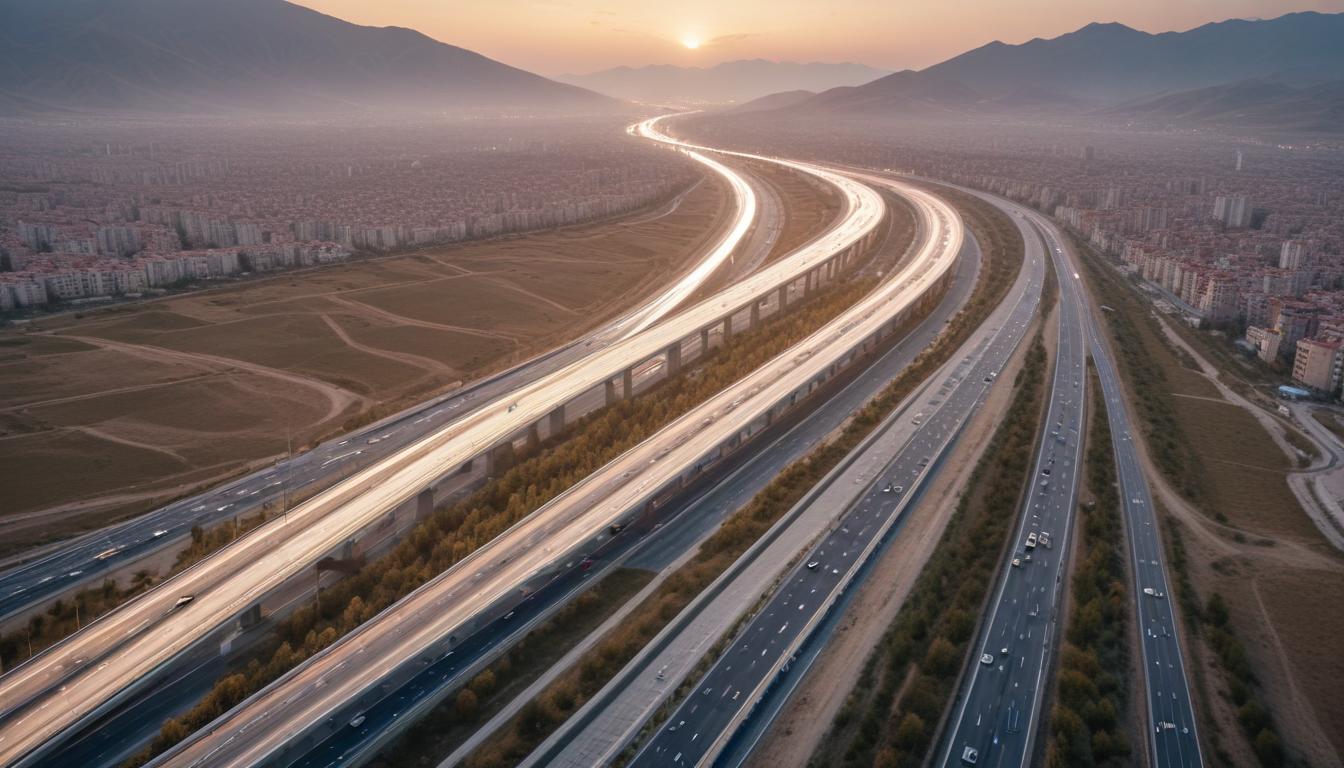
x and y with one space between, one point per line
553 37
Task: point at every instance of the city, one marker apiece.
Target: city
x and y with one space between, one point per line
713 386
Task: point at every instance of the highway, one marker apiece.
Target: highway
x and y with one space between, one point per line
88 672
494 579
1173 739
1000 706
760 662
78 563
995 723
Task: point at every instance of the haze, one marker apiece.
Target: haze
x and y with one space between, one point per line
555 37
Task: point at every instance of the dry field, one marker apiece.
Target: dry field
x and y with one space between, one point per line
111 413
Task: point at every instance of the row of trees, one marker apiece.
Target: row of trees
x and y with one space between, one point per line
452 533
1003 253
1088 719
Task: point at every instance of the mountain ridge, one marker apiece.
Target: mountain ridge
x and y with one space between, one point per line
175 56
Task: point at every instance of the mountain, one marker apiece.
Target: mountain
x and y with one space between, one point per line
1112 62
1257 103
1103 64
731 81
250 55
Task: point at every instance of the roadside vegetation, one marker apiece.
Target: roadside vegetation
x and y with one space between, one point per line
891 716
456 531
1002 250
1211 622
1091 713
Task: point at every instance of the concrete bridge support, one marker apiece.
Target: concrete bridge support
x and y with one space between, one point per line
674 359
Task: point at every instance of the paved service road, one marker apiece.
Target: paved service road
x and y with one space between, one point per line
702 725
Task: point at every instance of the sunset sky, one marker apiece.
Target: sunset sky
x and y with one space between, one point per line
554 37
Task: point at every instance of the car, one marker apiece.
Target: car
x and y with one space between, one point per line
1017 562
183 600
812 565
358 721
898 489
1003 651
987 659
969 756
1026 559
1046 471
159 533
887 488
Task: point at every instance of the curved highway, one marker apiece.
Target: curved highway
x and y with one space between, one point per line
490 581
86 674
78 562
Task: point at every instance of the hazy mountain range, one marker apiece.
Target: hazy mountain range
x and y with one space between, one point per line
1111 69
731 81
255 55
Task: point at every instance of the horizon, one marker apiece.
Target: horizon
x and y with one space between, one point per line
558 39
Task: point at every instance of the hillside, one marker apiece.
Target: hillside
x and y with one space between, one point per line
1105 64
178 56
1250 103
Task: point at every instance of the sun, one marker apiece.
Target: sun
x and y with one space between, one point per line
690 42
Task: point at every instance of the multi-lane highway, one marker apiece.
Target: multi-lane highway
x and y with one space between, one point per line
997 720
87 673
495 578
1173 740
88 559
995 723
757 668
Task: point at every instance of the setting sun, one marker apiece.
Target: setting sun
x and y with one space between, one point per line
691 42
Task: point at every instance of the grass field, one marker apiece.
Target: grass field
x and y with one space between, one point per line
142 402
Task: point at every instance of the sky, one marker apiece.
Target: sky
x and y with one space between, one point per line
554 37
